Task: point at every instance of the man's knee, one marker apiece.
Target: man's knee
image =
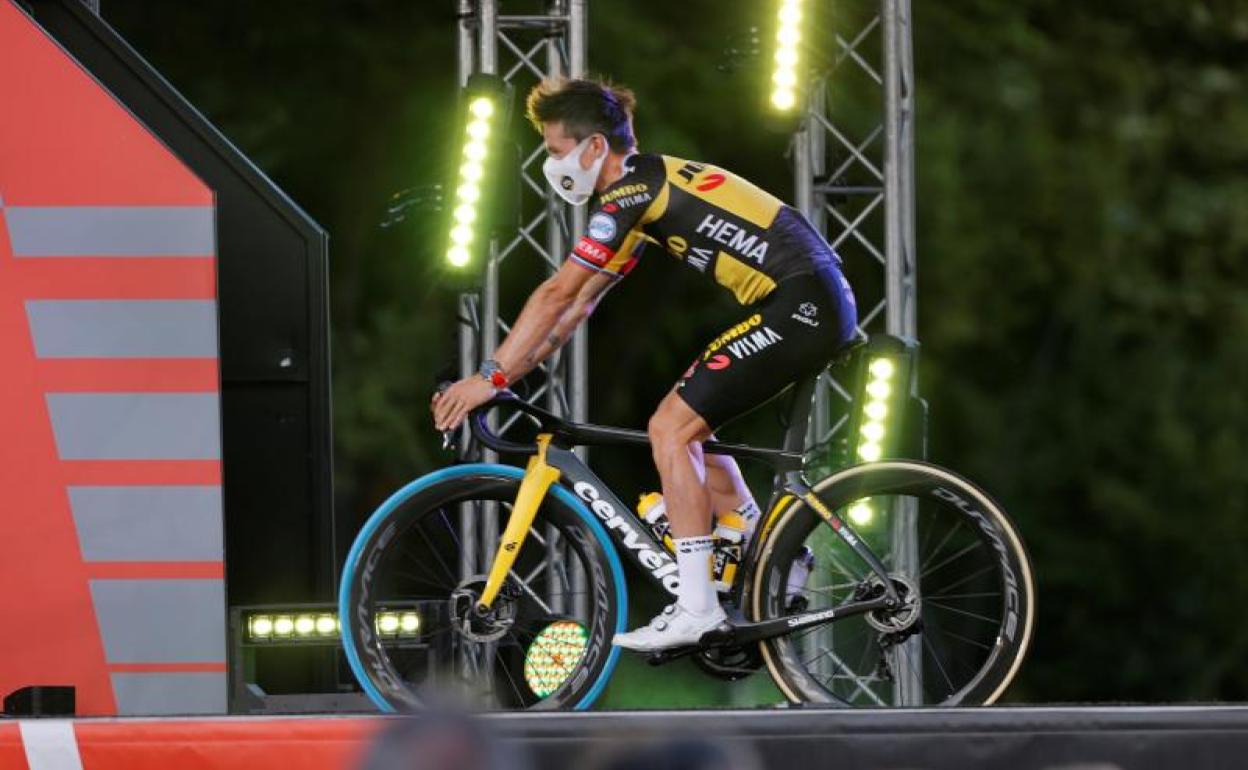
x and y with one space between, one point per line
664 434
669 433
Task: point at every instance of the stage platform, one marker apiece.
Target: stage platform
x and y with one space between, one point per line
1066 738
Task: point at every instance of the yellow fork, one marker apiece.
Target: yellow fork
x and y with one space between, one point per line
538 476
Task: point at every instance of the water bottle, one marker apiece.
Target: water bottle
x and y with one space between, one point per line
731 531
799 573
653 511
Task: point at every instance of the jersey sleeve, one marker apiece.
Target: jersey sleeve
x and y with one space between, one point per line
613 240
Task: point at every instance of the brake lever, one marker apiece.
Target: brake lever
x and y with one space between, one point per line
448 436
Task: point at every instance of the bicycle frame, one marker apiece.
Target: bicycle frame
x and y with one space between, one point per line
552 461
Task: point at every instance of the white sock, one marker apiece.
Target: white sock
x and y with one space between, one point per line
693 560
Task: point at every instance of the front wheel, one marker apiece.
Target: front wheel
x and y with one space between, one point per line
955 559
411 581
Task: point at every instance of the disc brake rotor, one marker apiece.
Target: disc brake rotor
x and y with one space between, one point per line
904 617
490 625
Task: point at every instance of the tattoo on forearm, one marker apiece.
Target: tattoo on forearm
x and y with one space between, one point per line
554 341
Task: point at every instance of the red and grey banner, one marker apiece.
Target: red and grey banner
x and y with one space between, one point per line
310 743
111 571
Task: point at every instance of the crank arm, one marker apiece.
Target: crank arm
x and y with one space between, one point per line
742 634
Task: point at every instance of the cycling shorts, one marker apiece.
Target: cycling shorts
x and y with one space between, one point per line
793 333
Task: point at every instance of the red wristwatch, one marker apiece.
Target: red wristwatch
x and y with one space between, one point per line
493 373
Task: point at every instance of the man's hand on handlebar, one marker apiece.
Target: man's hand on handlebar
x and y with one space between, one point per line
452 405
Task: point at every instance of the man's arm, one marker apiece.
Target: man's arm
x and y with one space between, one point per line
582 306
559 304
553 311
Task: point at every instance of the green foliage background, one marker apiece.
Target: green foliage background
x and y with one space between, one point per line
1082 232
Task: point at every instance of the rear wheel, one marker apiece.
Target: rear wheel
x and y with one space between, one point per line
412 579
953 555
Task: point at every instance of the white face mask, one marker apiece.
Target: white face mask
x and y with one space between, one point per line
573 183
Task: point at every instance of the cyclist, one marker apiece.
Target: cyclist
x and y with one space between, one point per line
799 310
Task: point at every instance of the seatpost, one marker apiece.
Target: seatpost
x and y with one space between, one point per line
795 434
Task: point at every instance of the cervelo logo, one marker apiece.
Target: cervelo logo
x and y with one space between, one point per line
732 334
805 620
718 362
660 564
1011 582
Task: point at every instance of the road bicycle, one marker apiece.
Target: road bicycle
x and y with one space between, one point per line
919 590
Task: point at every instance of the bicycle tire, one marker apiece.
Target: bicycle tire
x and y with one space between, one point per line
785 533
404 509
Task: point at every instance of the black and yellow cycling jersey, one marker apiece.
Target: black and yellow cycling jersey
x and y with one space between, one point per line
711 219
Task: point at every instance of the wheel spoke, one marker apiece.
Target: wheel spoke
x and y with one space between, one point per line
967 549
967 613
984 595
941 545
968 578
932 650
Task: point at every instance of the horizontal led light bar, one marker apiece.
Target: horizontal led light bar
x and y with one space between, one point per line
784 79
265 627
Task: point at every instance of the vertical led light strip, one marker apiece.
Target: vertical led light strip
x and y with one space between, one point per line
873 428
481 111
788 44
875 411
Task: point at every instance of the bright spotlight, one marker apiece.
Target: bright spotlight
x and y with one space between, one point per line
478 171
882 368
785 77
873 431
860 513
783 100
870 452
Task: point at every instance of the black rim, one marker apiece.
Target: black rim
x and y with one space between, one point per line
415 569
956 641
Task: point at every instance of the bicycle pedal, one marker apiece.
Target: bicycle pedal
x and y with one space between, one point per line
661 657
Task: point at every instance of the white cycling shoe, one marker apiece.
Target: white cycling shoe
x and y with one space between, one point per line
675 626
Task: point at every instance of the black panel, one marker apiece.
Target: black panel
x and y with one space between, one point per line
928 739
273 287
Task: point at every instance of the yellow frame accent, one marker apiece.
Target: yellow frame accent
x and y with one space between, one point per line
538 476
774 515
